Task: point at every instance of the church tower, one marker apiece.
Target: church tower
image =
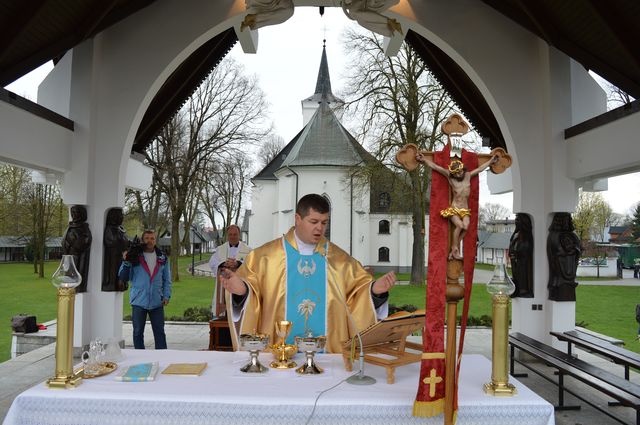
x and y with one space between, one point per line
323 158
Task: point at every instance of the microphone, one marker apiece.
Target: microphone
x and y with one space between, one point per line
357 378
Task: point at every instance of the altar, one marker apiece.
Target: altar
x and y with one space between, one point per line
224 395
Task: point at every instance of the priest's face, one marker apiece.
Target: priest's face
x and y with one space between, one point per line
233 235
310 228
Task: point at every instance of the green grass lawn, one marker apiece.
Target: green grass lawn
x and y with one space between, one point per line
606 309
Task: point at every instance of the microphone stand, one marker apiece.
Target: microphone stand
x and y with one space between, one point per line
360 378
357 378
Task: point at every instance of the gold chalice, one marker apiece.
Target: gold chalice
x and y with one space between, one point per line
283 351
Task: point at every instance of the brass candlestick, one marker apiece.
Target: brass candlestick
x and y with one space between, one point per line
66 279
500 287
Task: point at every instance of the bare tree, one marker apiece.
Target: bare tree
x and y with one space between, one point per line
616 96
223 195
44 201
269 149
12 194
592 216
491 212
31 212
398 101
225 111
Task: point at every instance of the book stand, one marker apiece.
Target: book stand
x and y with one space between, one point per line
385 343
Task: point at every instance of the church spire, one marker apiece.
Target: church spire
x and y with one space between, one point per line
323 84
323 92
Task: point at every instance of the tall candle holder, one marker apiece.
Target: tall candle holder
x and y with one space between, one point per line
500 287
66 278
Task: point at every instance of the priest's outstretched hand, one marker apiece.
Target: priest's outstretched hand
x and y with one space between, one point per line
232 283
384 283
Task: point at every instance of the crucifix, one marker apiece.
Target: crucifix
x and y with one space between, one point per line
452 214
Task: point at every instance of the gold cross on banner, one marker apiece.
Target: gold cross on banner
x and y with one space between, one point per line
432 381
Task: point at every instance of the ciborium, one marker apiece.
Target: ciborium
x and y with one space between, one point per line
282 350
310 345
253 344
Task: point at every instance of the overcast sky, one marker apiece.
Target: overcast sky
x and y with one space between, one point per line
287 67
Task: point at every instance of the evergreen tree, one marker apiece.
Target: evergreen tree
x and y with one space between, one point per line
635 223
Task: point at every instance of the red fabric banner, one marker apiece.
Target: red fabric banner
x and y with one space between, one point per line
430 396
431 387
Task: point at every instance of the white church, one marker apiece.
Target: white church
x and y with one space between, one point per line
322 158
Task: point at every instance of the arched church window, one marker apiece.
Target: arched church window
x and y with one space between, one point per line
383 254
384 200
383 227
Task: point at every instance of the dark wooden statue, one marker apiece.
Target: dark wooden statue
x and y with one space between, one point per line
521 255
563 253
77 242
115 243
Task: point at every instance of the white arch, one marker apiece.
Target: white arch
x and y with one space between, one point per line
114 77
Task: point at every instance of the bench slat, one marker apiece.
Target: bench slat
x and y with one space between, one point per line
622 355
612 385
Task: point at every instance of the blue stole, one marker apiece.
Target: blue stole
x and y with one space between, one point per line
306 306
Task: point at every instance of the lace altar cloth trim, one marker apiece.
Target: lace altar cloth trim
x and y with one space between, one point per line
121 412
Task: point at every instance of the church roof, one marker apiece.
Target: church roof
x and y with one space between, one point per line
323 141
323 83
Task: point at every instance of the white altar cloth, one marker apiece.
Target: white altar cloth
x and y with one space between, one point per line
224 395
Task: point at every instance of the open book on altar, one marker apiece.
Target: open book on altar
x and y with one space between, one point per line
140 372
385 343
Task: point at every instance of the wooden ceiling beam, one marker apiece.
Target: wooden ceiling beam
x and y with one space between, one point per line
618 26
12 28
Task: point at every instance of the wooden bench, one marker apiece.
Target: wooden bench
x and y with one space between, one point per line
601 347
627 393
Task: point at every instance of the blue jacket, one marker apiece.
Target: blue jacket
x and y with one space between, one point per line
146 290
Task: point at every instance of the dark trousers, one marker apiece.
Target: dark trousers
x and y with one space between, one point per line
138 320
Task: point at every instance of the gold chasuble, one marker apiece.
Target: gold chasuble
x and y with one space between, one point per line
265 273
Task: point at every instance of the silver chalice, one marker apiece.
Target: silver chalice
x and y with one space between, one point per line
310 345
253 344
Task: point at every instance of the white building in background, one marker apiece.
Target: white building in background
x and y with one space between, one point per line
322 158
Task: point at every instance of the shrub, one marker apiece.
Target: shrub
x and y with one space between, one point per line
191 314
406 307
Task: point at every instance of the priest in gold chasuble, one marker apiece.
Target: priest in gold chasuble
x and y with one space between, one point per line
304 278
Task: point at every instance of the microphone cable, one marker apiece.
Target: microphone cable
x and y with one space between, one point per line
358 378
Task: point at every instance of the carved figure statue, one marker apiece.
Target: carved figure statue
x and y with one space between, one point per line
115 243
77 242
521 255
368 13
563 254
266 12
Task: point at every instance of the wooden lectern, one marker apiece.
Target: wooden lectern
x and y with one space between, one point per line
385 343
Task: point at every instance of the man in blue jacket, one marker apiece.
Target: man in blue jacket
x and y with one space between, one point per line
150 290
